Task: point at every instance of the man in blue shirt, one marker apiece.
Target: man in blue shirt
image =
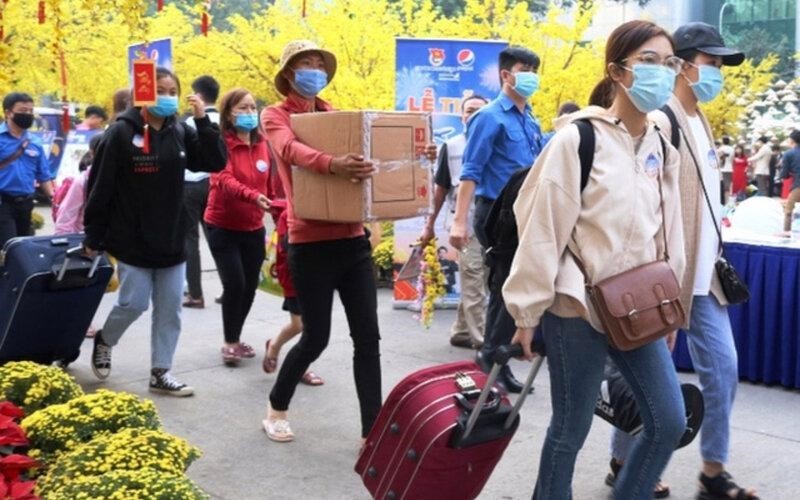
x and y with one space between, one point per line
791 167
22 161
502 137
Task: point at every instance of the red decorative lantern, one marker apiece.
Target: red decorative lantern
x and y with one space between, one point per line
159 5
304 8
41 12
204 24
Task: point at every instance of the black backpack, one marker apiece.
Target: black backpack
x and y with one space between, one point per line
501 224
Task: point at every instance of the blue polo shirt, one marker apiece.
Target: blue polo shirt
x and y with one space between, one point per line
500 141
17 179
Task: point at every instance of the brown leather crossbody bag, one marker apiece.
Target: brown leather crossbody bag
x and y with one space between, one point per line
640 305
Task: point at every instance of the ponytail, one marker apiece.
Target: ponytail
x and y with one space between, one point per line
603 93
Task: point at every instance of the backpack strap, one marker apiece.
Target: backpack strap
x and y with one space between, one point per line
675 133
585 149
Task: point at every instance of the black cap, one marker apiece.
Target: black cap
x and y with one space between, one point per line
705 38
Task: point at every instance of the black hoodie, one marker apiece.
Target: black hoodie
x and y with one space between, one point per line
134 208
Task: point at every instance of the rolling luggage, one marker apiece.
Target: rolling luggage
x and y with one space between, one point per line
441 432
48 296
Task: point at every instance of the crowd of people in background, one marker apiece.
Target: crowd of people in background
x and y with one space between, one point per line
151 182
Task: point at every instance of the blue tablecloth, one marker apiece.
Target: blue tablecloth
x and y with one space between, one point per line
767 328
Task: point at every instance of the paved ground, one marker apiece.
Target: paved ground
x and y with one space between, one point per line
224 416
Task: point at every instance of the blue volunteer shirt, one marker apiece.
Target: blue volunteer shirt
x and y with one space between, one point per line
791 166
500 141
17 179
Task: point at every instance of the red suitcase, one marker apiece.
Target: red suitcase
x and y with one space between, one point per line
431 442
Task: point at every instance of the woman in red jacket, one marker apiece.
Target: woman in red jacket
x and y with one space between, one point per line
739 170
237 201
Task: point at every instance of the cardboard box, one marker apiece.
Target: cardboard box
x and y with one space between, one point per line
394 142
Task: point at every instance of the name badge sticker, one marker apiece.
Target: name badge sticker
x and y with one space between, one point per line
32 152
138 140
713 162
261 166
652 165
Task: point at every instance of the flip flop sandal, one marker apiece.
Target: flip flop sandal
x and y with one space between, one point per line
268 364
660 490
278 430
720 487
245 350
311 378
230 356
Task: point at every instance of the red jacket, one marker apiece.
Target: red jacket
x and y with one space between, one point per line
233 191
289 151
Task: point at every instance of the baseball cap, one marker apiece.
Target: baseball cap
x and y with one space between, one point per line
705 38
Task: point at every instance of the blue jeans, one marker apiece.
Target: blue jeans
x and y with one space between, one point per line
576 355
136 286
713 353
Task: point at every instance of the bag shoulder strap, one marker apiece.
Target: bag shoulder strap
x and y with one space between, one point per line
574 253
675 134
14 156
705 193
585 149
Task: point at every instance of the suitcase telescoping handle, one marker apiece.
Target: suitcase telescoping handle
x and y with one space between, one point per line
77 252
502 355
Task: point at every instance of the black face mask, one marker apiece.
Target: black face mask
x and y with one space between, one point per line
23 120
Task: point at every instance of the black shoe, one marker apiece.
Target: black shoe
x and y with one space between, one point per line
162 382
457 341
509 381
483 363
218 299
101 357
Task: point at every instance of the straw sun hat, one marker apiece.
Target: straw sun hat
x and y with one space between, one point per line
293 50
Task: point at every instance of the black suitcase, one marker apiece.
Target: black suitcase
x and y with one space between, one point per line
48 296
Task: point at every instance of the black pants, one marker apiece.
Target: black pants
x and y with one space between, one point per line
195 196
15 217
318 269
500 326
239 256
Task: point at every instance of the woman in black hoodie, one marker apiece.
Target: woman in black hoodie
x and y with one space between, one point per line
134 213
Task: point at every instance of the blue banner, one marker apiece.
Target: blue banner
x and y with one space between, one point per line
47 128
158 50
436 75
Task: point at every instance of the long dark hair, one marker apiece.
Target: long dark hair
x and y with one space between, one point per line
624 40
229 101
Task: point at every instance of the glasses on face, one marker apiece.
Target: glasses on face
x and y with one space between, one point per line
672 62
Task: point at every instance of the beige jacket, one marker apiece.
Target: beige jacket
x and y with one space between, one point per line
760 160
693 202
615 223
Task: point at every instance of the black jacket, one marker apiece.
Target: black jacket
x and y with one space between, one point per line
134 208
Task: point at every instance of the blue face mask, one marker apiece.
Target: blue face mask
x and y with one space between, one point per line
166 105
527 83
246 122
310 82
652 86
709 83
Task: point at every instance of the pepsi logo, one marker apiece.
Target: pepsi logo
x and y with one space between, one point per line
436 56
466 58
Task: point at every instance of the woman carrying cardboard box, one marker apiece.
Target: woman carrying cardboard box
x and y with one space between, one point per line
323 256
